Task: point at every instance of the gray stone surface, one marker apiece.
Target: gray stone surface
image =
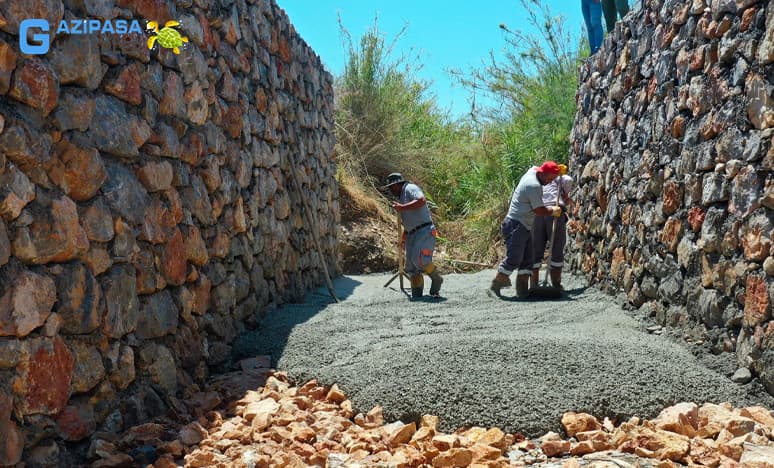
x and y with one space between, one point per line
476 360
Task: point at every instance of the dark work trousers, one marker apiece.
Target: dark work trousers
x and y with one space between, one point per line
541 236
612 8
518 245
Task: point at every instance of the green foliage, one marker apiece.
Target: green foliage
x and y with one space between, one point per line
386 121
535 84
384 116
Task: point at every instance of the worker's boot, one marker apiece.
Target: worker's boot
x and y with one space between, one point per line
556 277
436 280
499 282
417 286
534 278
522 286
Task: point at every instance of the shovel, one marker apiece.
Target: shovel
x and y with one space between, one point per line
544 290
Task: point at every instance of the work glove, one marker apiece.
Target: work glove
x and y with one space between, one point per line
556 211
562 169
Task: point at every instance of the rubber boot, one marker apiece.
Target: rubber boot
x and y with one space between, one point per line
556 277
534 280
499 282
417 286
436 280
522 286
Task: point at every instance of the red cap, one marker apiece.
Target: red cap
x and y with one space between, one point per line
549 167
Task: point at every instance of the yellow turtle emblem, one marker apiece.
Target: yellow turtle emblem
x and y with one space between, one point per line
167 37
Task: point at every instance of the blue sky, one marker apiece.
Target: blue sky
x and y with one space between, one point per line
448 34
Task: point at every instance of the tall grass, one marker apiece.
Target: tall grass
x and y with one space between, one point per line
534 84
387 121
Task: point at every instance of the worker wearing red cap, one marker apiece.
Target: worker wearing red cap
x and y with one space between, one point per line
547 228
526 203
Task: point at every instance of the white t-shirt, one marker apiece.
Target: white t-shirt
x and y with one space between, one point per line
551 191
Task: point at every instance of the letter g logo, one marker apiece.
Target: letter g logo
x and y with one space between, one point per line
42 40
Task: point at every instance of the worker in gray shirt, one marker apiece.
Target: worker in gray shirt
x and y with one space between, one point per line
419 235
526 202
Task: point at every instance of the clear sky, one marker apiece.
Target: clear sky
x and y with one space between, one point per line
448 34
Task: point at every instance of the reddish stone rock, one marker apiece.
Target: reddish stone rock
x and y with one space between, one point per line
12 13
678 127
127 85
155 10
78 172
11 438
197 109
284 50
45 377
36 85
195 248
618 262
555 448
97 259
747 18
194 149
696 218
26 304
158 223
756 302
156 176
173 259
579 422
671 234
53 236
7 66
756 245
174 205
76 421
673 197
232 121
173 101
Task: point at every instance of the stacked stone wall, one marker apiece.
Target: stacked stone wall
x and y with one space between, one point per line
148 214
674 162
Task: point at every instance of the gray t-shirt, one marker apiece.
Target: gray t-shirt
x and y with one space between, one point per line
413 218
527 196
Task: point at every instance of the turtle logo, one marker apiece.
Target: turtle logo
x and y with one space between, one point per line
167 37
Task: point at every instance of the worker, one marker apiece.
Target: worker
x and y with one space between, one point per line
557 193
418 236
526 203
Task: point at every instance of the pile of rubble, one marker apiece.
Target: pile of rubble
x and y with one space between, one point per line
282 425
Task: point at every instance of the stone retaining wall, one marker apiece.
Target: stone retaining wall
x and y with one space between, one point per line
673 157
148 214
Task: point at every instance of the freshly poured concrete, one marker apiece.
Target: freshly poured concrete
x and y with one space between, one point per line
473 359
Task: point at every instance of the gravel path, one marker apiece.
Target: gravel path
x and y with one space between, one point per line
477 360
